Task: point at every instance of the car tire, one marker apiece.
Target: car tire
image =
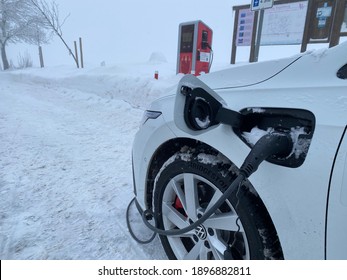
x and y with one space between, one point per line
188 184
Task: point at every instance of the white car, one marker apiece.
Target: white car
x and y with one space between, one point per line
192 146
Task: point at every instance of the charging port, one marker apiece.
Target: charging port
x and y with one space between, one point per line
297 123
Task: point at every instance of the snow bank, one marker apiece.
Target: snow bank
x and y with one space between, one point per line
65 160
134 83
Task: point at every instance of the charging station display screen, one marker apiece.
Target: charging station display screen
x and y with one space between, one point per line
187 38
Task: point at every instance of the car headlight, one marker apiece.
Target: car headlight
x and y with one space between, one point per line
149 114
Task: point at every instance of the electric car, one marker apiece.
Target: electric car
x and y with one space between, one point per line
194 143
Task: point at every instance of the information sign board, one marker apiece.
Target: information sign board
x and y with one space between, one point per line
245 27
284 24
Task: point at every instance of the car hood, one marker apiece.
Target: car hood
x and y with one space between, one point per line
247 74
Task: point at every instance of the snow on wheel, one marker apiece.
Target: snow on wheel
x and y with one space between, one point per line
188 185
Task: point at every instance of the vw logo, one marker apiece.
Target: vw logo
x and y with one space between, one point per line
200 232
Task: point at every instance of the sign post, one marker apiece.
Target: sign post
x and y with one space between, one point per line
261 4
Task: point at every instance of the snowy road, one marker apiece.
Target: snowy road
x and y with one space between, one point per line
65 171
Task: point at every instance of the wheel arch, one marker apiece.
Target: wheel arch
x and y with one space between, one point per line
172 146
160 156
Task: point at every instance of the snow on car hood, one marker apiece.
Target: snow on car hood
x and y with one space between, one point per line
247 74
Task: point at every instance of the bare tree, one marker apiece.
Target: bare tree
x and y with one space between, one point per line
50 13
19 22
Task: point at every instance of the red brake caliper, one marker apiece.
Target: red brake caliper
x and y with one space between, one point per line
179 207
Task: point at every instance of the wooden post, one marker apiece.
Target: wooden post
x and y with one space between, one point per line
307 30
81 53
41 57
258 38
76 54
254 52
337 23
234 43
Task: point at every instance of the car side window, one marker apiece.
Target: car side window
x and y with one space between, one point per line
342 73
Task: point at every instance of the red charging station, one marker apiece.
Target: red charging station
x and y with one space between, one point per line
194 48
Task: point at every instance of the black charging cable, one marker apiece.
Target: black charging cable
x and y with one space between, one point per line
149 214
211 57
274 144
131 231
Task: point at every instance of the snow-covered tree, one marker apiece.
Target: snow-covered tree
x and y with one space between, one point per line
52 20
20 22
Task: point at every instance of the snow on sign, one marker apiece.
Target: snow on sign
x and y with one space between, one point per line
261 4
284 24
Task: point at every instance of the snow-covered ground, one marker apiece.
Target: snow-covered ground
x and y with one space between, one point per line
65 159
